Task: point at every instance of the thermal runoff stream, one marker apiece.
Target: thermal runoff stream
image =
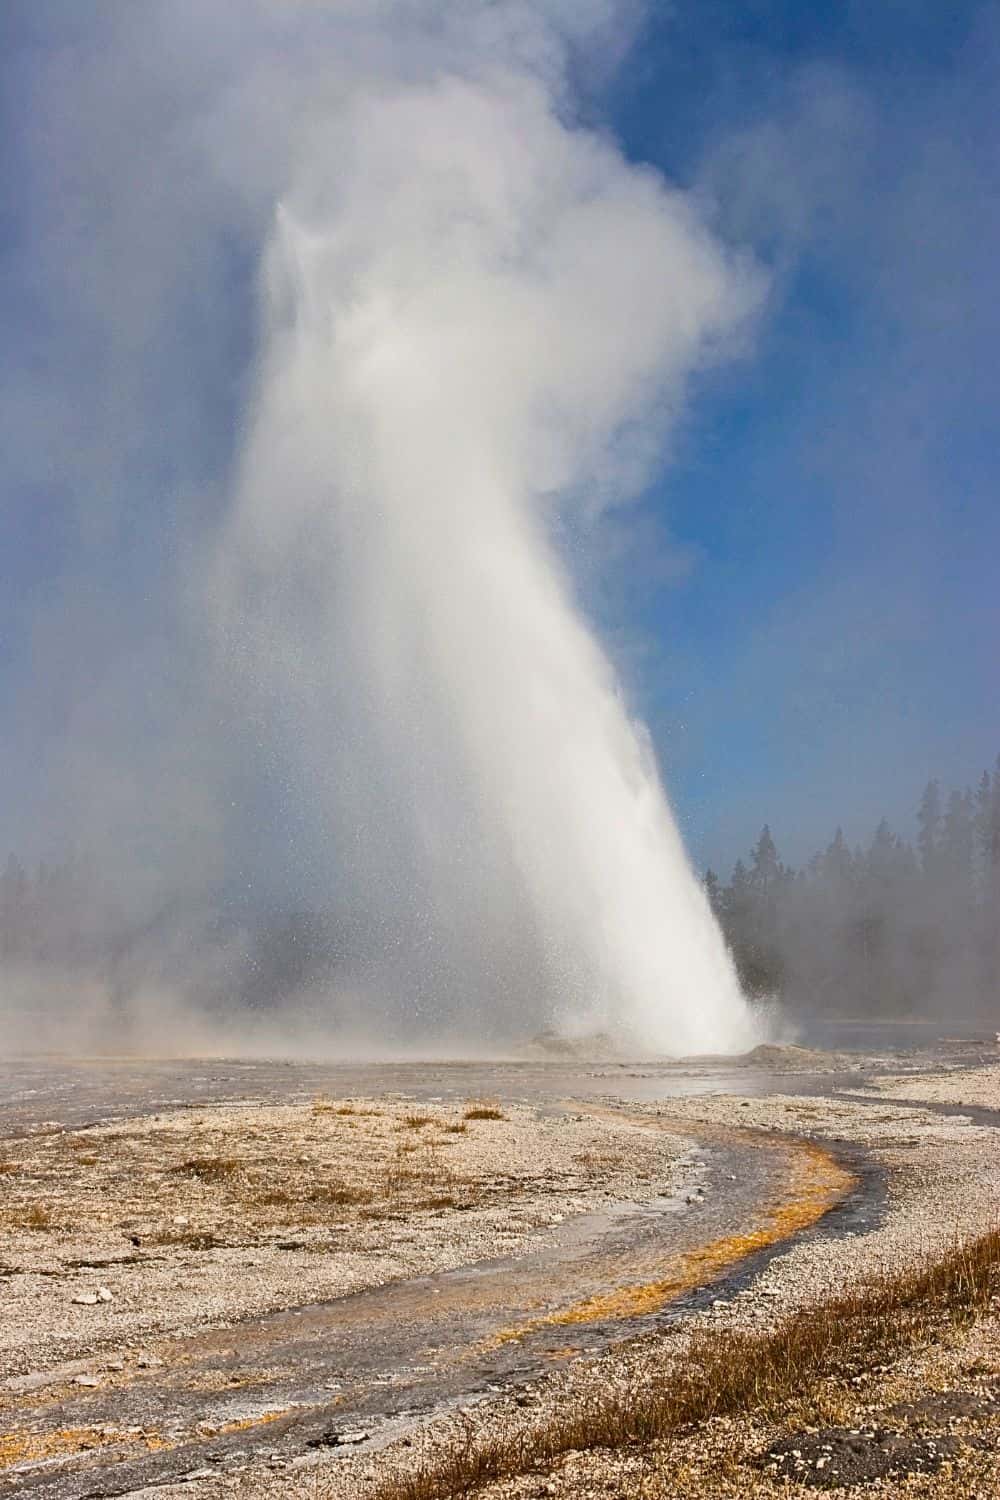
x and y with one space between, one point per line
478 319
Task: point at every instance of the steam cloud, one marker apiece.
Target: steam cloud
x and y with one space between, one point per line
478 321
477 317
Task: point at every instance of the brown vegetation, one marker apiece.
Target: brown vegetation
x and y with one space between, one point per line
341 1194
324 1106
483 1109
728 1372
37 1216
187 1239
209 1168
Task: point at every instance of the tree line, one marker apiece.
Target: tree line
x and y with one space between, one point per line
888 928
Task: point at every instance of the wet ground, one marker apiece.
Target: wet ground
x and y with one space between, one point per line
364 1367
37 1091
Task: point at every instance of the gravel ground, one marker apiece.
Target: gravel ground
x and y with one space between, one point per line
944 1181
931 1415
111 1236
971 1086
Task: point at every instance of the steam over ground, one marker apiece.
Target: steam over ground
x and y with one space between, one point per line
477 321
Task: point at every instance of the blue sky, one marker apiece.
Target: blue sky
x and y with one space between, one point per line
837 640
805 604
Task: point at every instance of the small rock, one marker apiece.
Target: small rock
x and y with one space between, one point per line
86 1299
179 1220
331 1438
90 1380
104 1295
149 1362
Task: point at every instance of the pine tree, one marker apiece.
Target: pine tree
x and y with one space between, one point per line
984 825
958 840
837 862
766 870
929 826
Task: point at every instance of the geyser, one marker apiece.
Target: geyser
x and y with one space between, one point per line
478 318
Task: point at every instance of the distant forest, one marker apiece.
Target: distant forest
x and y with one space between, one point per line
889 929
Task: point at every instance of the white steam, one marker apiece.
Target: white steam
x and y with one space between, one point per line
478 317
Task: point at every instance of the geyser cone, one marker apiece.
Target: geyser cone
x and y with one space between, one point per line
475 316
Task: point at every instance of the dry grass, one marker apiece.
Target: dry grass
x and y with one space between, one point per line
457 1127
188 1239
37 1216
209 1168
79 1142
341 1194
729 1372
412 1179
417 1179
8 1168
483 1109
323 1106
599 1161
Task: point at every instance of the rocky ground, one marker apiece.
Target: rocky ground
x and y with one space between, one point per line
925 1424
113 1235
972 1087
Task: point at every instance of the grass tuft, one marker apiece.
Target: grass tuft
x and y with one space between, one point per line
209 1168
79 1142
730 1372
188 1239
38 1217
483 1109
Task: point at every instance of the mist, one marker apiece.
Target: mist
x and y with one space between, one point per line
359 681
475 317
900 925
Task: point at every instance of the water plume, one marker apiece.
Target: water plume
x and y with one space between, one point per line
478 320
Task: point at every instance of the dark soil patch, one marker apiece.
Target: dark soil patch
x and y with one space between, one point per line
940 1407
837 1457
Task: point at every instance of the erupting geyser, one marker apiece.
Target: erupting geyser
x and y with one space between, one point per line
477 318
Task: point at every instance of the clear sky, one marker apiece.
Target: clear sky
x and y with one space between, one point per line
837 639
805 603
